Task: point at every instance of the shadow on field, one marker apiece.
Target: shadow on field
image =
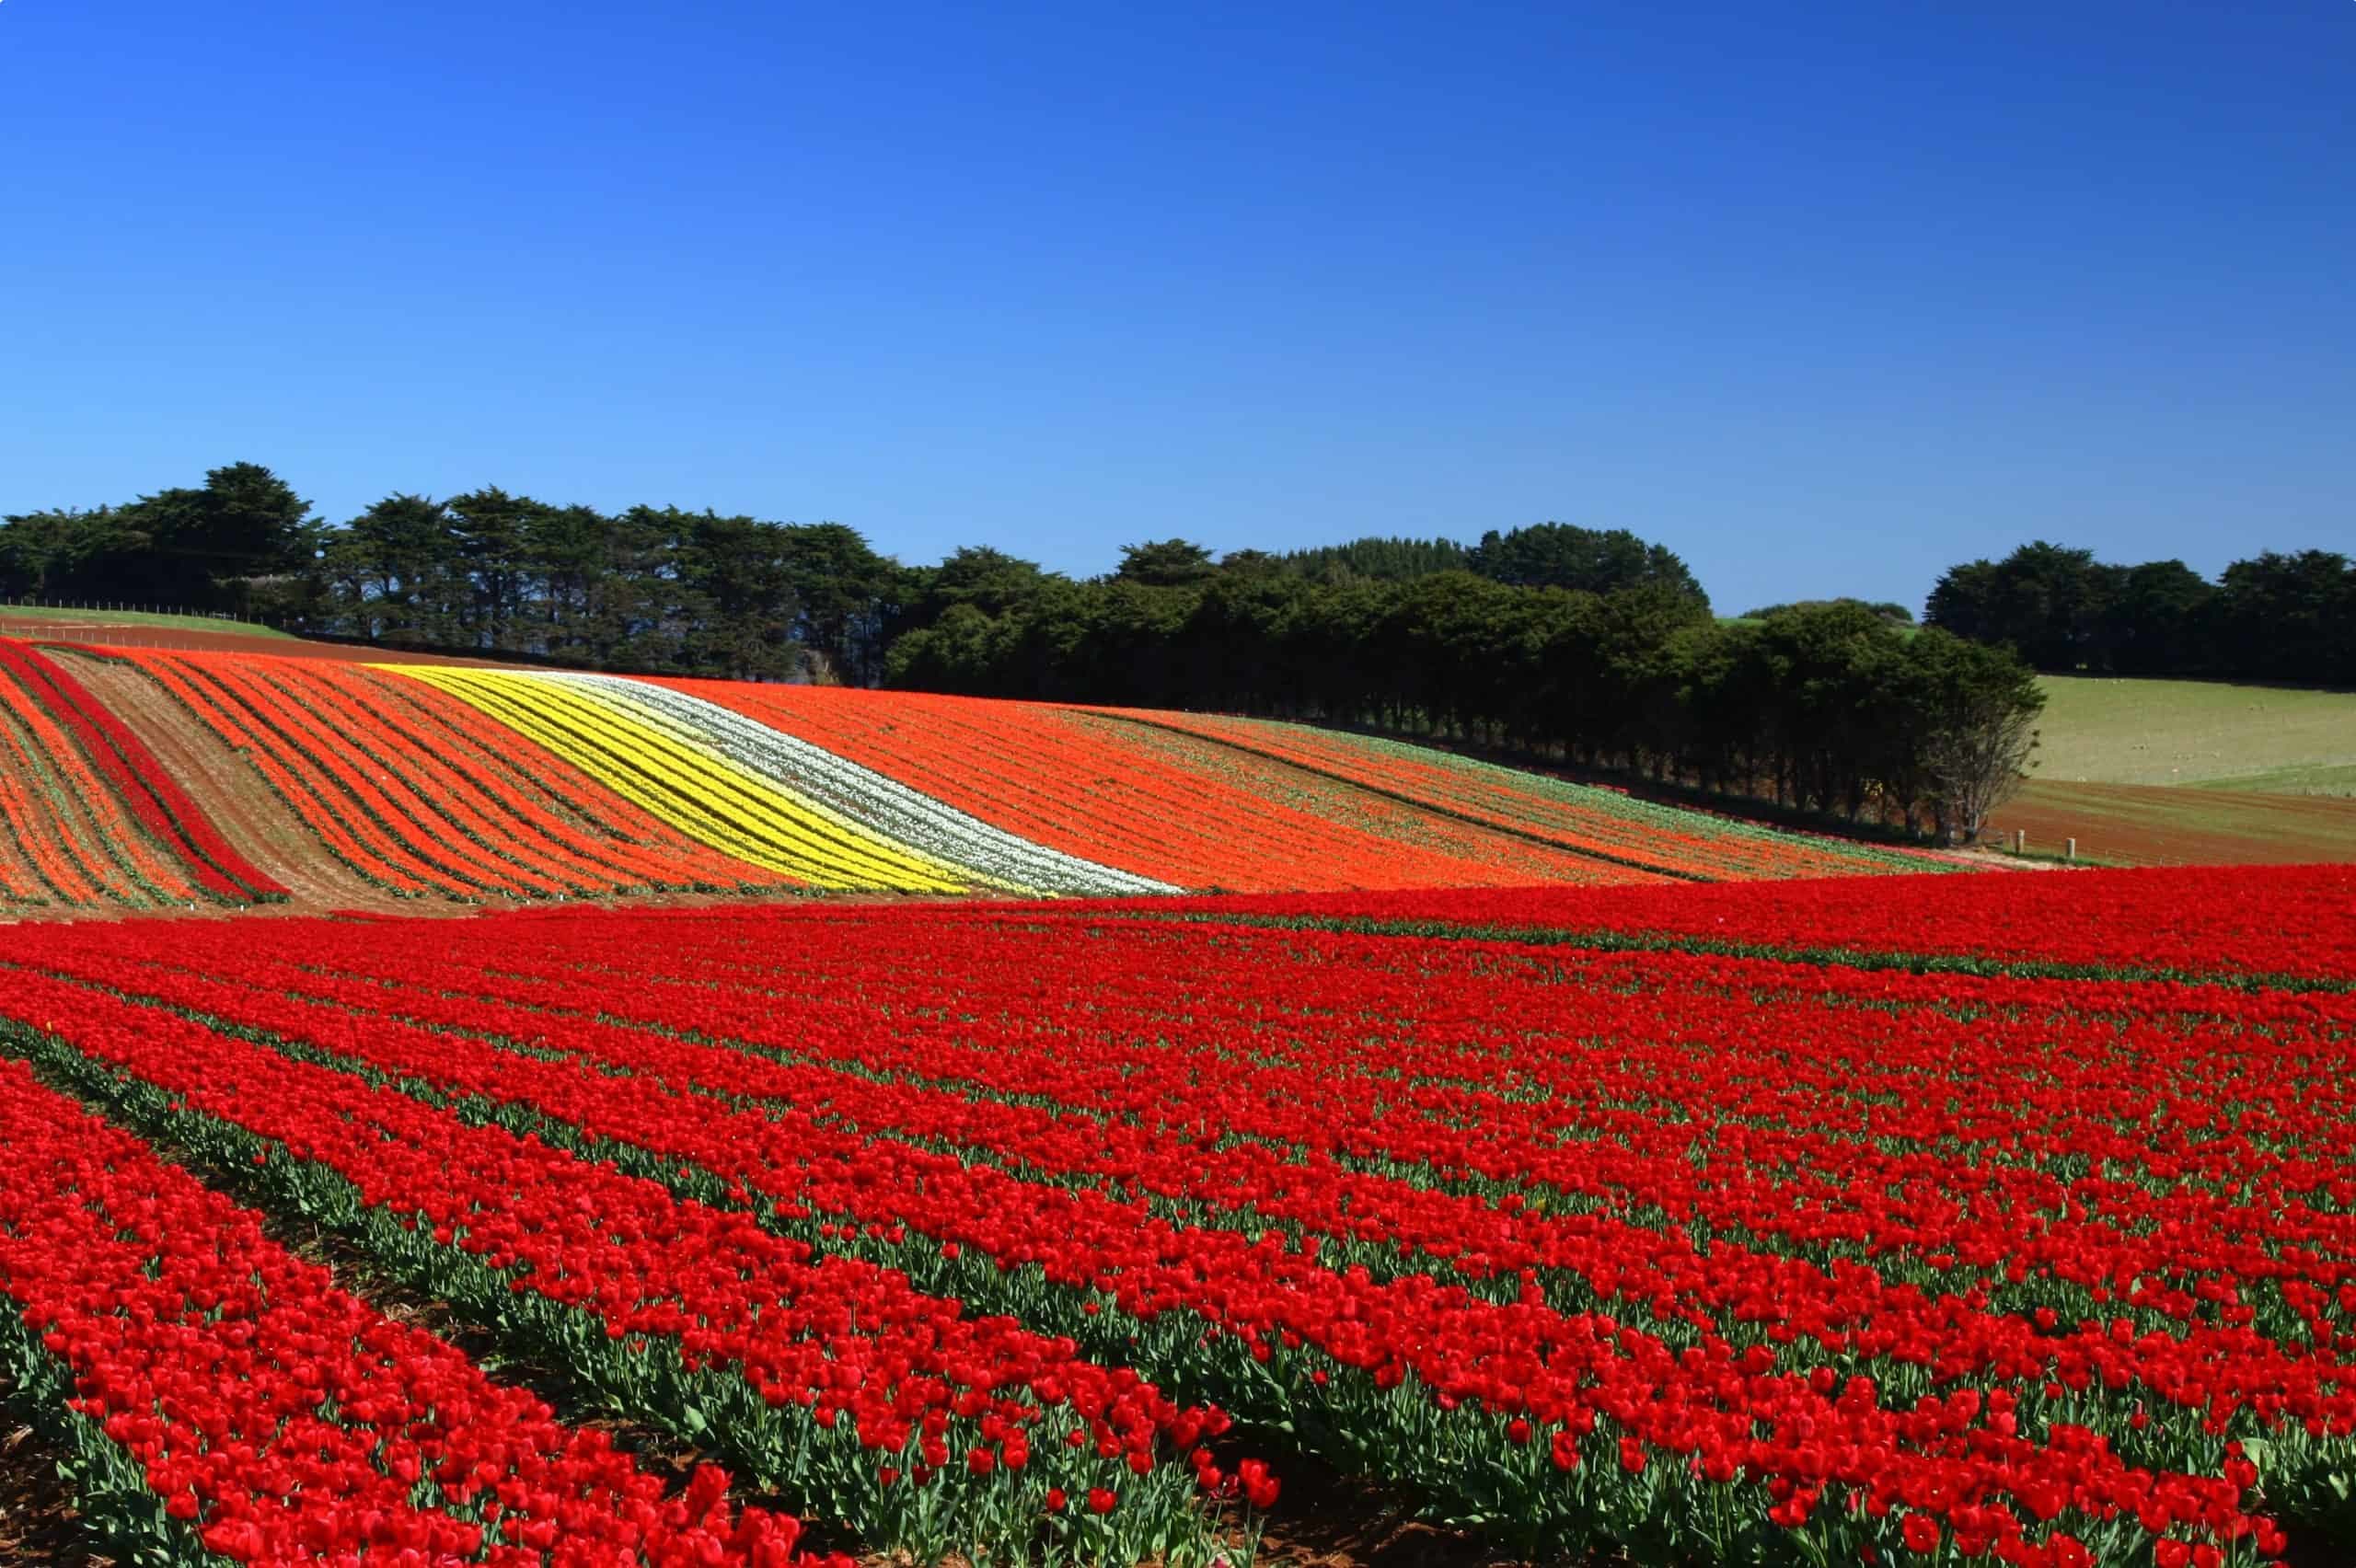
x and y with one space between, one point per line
37 1523
1324 1520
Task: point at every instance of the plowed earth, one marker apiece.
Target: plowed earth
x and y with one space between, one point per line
2158 824
250 816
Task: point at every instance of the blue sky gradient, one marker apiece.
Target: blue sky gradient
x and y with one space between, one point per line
1824 297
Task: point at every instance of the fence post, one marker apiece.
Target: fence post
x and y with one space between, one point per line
2070 849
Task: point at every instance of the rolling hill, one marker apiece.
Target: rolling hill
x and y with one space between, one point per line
2155 772
143 777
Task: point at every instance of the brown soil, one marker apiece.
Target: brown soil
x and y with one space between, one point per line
2155 825
241 803
38 1523
1326 1520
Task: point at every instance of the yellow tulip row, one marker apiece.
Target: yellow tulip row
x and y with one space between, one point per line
698 792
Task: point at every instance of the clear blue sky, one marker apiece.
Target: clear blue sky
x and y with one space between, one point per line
1825 295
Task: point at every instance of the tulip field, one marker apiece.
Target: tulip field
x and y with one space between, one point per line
90 816
452 783
1811 1223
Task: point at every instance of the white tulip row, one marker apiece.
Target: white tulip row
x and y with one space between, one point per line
871 799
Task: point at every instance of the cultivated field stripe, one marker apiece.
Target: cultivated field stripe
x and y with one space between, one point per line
695 791
883 804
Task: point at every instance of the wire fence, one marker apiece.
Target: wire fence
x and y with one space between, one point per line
115 634
229 620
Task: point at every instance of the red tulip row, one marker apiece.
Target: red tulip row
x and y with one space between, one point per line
1586 820
1319 1138
155 798
1046 774
1834 1123
37 861
1474 854
2224 922
75 838
830 1377
423 795
1072 1015
280 1419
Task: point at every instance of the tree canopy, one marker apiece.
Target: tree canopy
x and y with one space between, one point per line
2274 616
1563 643
219 546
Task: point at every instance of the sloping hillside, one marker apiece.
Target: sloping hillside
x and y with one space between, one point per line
183 776
2180 772
92 817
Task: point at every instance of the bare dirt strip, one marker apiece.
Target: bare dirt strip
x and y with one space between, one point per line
240 801
2160 825
38 1522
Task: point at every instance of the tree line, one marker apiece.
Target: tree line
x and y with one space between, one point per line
1824 708
1554 643
2275 616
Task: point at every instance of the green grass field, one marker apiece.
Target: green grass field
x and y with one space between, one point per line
2206 734
43 615
2176 772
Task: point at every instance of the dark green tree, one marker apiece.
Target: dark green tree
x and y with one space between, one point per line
1375 559
1165 563
2290 616
1973 713
738 591
2047 601
2156 620
847 597
394 571
1559 555
491 530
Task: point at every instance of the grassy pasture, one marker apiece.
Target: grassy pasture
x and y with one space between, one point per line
2178 772
2206 734
2156 824
45 620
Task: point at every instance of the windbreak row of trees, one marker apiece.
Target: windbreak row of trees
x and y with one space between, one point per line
648 589
2274 616
218 546
1824 708
645 589
1590 646
1551 555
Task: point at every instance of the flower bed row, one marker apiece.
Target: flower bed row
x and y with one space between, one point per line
75 834
2264 925
1479 855
883 804
829 1379
1589 821
1092 1097
1038 772
273 1417
424 795
696 790
479 784
1079 1026
155 798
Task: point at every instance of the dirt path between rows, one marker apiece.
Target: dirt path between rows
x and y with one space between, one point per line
2180 824
240 801
269 832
